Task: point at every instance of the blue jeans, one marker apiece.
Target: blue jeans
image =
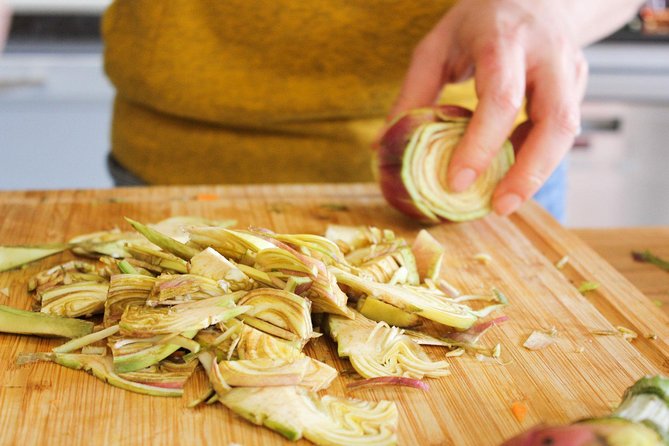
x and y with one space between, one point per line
553 194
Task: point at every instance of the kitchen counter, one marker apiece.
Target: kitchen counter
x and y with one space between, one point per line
582 375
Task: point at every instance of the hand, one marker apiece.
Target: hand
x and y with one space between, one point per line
5 19
514 49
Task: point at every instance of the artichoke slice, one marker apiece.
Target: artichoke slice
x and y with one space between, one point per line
380 311
161 260
101 367
377 350
13 320
325 295
163 241
283 309
232 244
14 256
75 299
211 264
295 413
144 322
165 374
429 255
132 354
430 304
126 290
171 289
255 344
261 372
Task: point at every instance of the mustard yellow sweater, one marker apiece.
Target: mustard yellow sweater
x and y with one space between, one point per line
252 91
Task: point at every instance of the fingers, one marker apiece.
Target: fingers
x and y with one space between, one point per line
424 78
500 85
554 111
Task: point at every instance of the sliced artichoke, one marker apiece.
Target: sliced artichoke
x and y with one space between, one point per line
13 320
179 288
295 413
284 310
136 354
255 343
381 350
101 367
76 299
144 322
126 290
161 260
232 244
324 293
430 304
261 372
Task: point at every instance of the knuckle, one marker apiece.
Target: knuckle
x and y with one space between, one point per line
582 66
530 182
565 119
480 154
506 100
425 48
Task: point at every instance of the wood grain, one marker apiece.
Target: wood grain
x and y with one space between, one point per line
581 375
615 245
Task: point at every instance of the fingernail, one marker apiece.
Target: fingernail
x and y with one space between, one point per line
507 204
463 179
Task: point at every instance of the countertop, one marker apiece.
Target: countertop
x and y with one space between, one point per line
615 245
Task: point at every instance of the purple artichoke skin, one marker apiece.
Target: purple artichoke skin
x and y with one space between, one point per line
391 153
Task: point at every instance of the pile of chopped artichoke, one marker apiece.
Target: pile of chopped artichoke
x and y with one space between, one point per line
240 304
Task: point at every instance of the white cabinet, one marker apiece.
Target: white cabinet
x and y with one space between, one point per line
55 114
620 177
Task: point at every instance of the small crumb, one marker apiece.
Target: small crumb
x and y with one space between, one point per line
586 287
206 197
579 349
652 336
483 258
562 262
336 207
457 352
538 340
519 410
625 332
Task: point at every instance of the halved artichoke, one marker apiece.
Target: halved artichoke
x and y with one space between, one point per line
413 159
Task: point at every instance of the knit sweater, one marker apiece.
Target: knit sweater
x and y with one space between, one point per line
252 91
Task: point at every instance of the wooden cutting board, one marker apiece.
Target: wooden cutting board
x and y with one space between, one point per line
581 375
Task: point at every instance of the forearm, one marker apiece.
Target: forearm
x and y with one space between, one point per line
596 19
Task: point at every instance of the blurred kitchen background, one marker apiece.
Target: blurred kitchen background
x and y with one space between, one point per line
55 107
